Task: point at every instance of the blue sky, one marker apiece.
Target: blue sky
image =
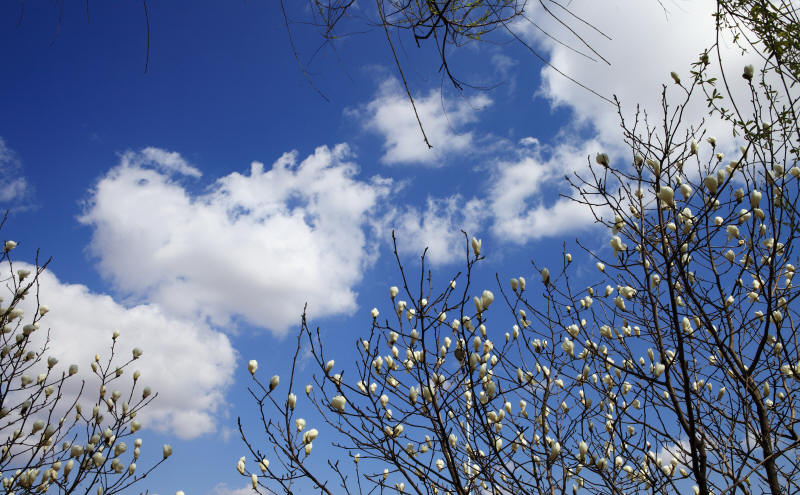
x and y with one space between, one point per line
198 206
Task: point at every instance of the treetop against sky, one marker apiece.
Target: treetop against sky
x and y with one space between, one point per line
198 207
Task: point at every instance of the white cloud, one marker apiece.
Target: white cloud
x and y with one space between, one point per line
390 114
13 186
224 489
186 362
523 202
168 161
438 227
648 41
256 246
678 453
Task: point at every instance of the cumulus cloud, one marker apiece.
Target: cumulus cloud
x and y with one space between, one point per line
523 195
438 227
256 246
186 362
390 115
13 185
664 37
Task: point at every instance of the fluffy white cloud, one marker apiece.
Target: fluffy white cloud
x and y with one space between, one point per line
523 202
647 41
390 114
13 186
256 246
438 227
186 362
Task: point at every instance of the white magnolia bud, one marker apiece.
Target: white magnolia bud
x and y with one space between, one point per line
711 183
310 436
486 299
252 366
452 440
338 403
476 246
747 73
545 276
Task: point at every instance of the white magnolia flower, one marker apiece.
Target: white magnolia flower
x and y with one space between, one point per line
711 183
338 403
486 299
666 194
476 247
617 245
252 366
310 436
747 72
755 199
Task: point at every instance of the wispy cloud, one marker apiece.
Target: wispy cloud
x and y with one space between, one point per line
437 227
13 185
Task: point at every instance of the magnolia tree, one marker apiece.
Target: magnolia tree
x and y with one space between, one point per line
674 367
59 433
